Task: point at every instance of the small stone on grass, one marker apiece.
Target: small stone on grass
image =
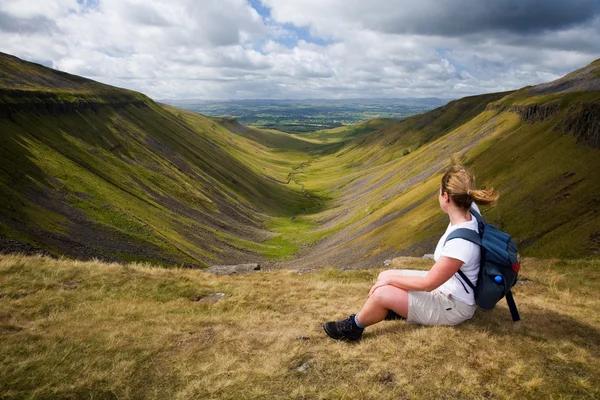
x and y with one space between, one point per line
303 368
209 299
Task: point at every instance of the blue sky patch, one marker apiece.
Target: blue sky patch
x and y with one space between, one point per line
262 10
295 32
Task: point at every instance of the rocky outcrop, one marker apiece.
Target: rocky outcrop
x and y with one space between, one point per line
38 102
529 113
239 269
582 121
585 125
534 112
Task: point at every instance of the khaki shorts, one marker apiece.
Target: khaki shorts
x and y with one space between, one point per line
435 307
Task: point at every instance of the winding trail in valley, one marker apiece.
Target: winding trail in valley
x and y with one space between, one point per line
292 177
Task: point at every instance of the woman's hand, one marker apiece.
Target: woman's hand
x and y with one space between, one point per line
377 284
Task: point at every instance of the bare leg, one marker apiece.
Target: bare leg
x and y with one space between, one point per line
383 299
389 273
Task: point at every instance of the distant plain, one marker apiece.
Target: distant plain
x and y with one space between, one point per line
300 116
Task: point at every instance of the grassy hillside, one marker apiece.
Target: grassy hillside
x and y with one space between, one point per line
540 152
33 87
105 175
89 170
189 189
90 330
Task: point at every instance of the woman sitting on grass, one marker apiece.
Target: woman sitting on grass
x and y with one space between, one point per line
438 296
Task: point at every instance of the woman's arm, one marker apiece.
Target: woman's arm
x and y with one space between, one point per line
441 271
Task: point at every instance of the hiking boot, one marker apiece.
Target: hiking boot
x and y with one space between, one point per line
343 330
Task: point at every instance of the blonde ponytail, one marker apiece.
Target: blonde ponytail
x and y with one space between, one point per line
484 196
459 183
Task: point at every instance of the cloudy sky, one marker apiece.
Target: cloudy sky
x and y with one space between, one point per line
236 49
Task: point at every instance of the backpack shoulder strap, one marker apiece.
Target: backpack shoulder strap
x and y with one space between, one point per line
512 306
467 234
471 236
466 279
480 221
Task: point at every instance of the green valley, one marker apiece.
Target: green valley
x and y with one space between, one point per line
93 171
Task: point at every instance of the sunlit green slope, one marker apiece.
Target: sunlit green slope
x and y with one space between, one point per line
541 151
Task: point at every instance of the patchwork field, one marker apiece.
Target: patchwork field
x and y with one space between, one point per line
300 116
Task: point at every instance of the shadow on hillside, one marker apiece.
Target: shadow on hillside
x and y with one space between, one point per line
21 179
538 325
116 146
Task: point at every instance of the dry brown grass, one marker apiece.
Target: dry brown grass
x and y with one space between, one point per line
90 330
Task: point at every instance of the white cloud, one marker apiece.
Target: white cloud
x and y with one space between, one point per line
28 9
311 48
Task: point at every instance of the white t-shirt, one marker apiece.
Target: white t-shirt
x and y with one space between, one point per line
465 251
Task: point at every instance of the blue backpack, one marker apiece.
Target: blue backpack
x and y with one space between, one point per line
499 267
